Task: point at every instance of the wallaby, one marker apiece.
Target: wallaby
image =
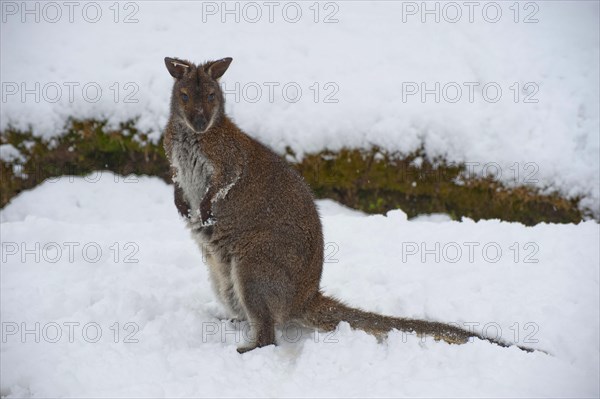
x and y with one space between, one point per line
256 221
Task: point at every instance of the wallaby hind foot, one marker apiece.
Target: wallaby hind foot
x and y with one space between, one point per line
263 335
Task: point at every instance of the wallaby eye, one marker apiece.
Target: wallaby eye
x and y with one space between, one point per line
184 97
211 96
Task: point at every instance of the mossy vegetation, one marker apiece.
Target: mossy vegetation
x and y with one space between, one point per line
372 180
84 147
376 181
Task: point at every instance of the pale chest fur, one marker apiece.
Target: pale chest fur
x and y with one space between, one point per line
192 172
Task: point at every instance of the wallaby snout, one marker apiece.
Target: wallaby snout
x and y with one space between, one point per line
199 122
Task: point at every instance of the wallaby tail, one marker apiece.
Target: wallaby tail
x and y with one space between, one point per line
326 313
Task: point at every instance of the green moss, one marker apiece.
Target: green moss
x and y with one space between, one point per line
376 181
83 147
373 180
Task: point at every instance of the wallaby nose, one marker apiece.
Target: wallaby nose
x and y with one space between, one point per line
199 123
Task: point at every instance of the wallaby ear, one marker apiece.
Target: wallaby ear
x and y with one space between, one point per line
177 68
216 69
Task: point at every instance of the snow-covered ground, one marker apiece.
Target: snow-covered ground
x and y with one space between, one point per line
510 87
104 294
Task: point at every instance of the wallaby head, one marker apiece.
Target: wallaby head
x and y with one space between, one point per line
197 99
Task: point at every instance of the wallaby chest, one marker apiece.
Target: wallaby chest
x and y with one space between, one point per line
192 170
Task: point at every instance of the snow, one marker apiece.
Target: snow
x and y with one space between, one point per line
222 193
9 153
133 261
432 217
362 69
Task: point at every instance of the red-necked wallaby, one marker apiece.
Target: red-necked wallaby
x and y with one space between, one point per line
256 220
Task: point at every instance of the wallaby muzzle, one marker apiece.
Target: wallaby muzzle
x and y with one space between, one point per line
199 123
